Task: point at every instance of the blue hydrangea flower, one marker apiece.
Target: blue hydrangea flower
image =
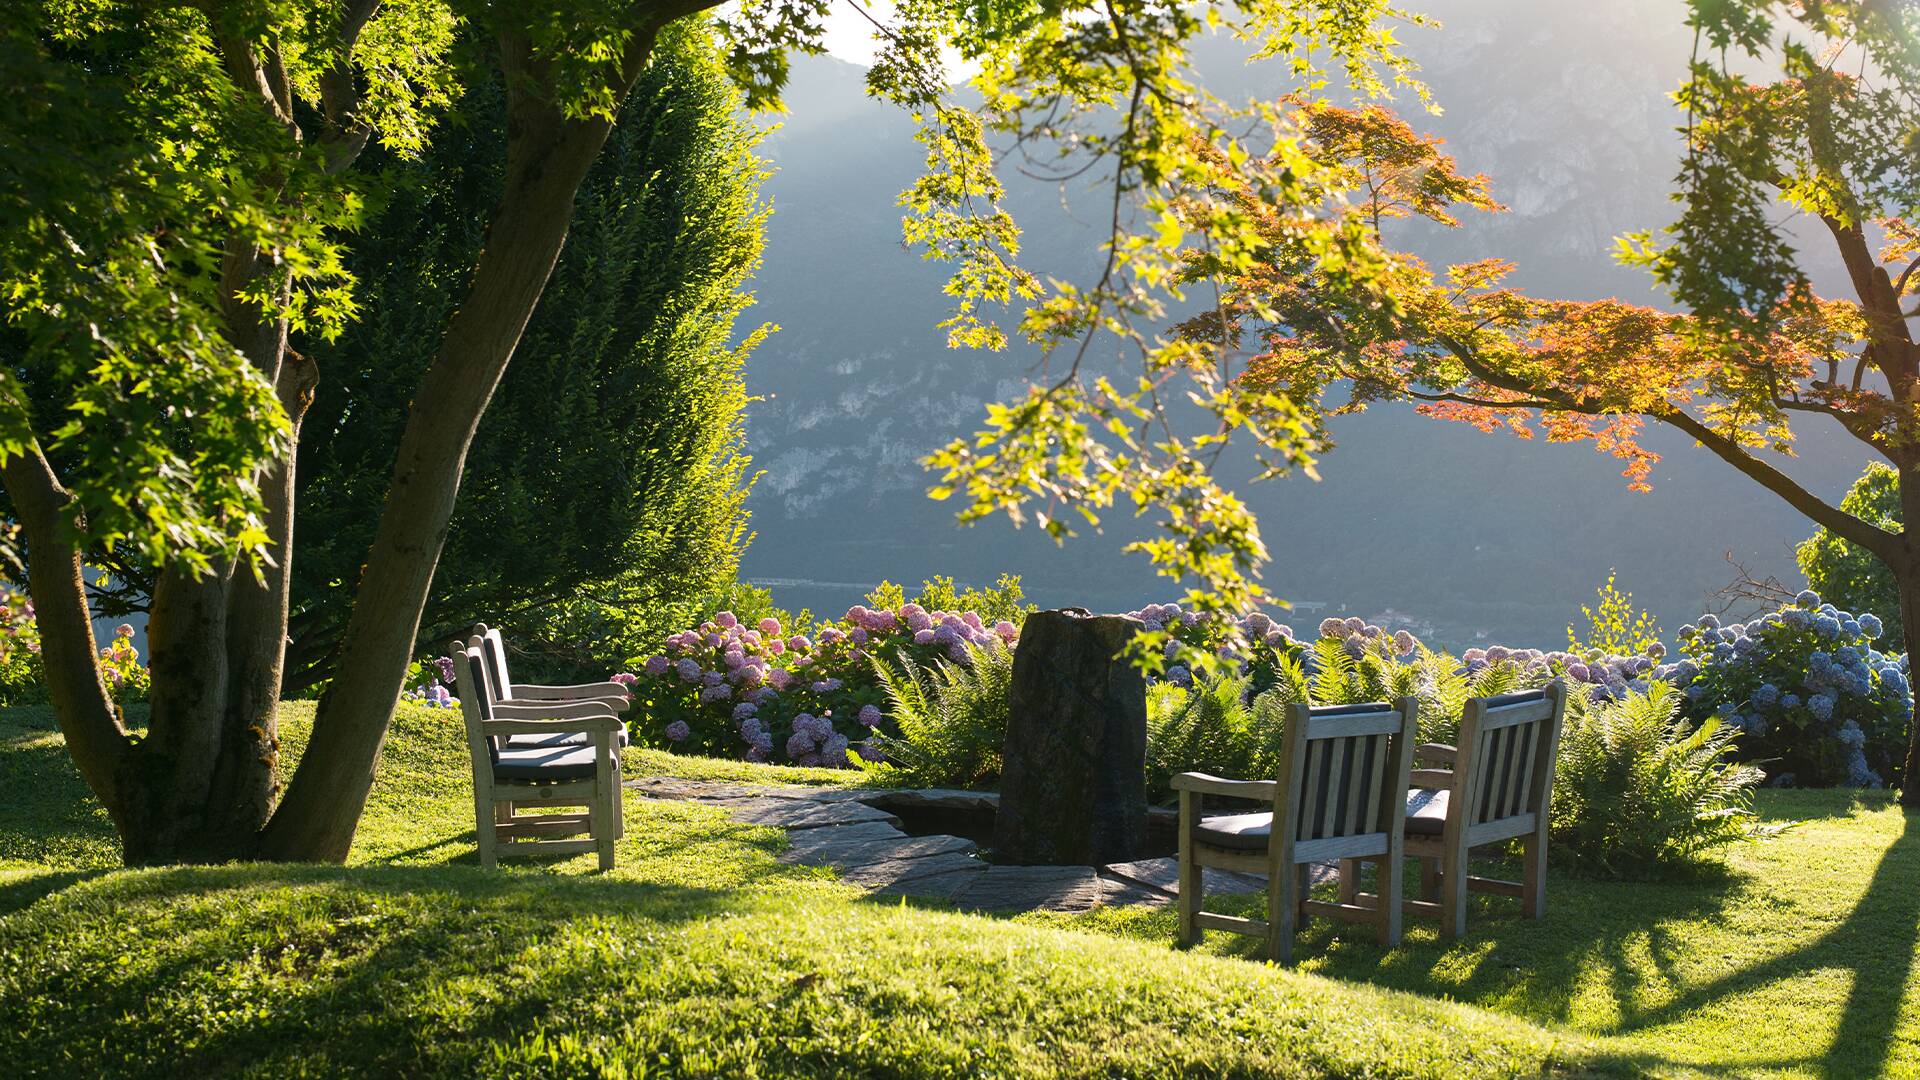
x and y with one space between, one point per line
1821 706
1870 626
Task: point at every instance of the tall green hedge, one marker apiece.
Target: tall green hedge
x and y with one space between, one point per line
610 467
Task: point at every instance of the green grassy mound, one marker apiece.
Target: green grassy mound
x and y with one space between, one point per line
702 954
451 971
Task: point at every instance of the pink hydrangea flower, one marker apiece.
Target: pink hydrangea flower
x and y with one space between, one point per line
834 751
770 626
626 678
923 637
799 643
657 664
727 619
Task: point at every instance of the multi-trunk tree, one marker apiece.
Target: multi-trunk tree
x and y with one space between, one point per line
176 183
1755 348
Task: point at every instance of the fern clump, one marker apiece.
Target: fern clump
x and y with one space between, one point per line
1640 790
1216 727
949 718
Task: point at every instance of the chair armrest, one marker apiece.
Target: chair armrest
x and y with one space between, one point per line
619 704
1431 779
1203 784
601 722
557 710
563 693
1433 751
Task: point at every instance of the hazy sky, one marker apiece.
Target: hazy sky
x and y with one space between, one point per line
849 34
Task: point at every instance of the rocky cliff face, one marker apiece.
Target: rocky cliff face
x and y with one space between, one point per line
1565 106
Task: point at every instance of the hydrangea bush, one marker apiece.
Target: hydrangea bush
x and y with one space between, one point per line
1805 684
127 679
727 689
430 683
20 682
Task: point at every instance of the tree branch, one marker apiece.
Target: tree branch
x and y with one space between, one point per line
95 734
1886 545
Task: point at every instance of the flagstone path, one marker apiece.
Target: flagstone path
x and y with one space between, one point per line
836 827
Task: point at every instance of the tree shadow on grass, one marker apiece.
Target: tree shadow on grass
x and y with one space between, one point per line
19 891
323 965
1875 943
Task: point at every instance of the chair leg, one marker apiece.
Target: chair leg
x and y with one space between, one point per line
600 814
483 827
1533 885
1429 879
1391 873
1191 878
1283 914
1349 880
1453 895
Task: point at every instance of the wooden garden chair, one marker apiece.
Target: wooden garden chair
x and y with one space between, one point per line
1493 787
508 779
494 652
1340 795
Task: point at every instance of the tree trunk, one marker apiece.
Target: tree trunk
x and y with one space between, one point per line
1906 577
548 156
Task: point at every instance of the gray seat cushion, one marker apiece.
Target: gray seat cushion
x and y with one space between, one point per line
1242 832
557 738
1426 816
564 762
1426 812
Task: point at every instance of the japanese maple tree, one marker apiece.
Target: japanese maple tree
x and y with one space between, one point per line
1754 349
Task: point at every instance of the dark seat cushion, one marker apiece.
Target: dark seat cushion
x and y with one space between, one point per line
564 762
1426 812
557 738
1242 832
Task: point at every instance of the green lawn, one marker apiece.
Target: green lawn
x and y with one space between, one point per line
702 955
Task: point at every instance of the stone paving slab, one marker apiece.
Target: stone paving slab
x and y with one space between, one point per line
803 845
795 814
1163 875
1120 892
1032 888
881 875
934 887
935 799
872 851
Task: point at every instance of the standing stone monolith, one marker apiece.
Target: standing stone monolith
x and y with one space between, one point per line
1072 781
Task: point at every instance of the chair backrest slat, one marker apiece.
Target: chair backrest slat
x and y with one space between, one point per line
476 702
1356 815
1502 743
1345 757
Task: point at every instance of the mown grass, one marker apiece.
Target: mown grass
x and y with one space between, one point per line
702 955
1798 956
